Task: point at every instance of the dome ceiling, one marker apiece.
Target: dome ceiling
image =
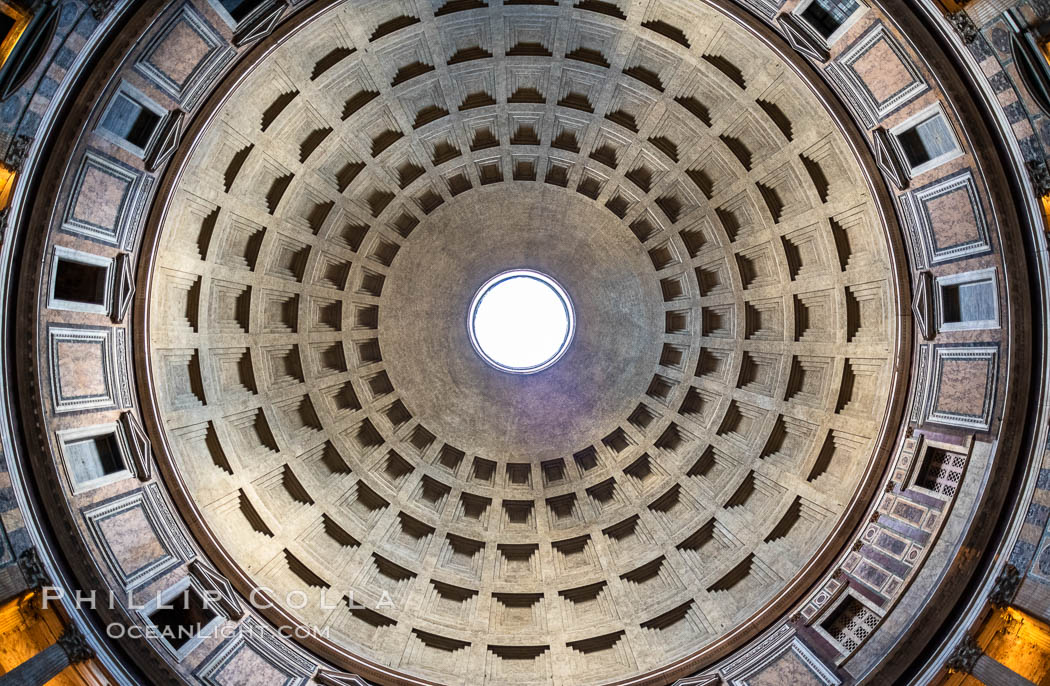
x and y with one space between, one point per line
798 434
667 479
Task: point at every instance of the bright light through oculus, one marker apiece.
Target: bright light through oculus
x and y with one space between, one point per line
521 321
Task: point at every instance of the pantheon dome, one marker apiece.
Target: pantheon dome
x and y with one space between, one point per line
524 342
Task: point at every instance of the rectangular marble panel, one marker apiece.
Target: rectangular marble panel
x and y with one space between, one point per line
877 75
254 656
104 199
962 388
781 658
949 219
81 366
133 542
184 55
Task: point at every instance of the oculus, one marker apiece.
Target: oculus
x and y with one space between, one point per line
521 321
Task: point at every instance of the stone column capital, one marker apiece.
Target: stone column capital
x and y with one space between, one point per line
965 655
75 645
1040 176
33 569
964 26
1005 587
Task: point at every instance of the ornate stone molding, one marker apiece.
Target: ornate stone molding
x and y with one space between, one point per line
964 26
1005 587
801 39
1040 176
261 25
139 443
216 583
965 655
123 287
75 646
33 569
167 140
17 151
922 306
100 8
888 160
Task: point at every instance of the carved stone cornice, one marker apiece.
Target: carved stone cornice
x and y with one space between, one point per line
33 569
75 646
1005 587
965 655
